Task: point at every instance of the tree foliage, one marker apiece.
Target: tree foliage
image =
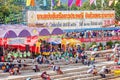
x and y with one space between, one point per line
9 11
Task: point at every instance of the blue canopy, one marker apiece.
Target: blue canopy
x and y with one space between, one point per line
84 29
54 43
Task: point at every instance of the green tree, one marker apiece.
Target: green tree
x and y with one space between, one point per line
117 9
10 11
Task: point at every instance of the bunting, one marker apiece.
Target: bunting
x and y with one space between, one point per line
91 1
110 2
28 2
44 3
70 2
58 3
53 3
79 3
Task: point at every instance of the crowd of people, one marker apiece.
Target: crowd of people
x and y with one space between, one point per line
92 34
69 54
13 69
104 70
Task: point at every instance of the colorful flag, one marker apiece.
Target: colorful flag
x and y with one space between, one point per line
32 3
110 2
28 2
44 3
78 2
95 3
58 3
53 3
115 2
70 2
91 1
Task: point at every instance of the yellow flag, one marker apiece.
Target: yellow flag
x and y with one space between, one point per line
28 2
58 4
115 2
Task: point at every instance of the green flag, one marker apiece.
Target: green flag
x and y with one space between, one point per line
28 54
25 55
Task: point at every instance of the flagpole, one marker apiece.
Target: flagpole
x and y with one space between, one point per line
51 6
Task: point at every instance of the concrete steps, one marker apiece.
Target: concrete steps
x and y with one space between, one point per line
75 68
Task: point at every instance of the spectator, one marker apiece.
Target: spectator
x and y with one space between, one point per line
45 76
35 68
102 72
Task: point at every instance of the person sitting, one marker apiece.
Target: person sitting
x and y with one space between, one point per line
45 76
107 70
90 70
16 70
94 72
7 68
35 68
11 71
102 72
3 67
59 71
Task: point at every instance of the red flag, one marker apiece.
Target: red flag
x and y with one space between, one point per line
78 2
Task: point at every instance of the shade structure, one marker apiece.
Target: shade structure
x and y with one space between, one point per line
24 33
10 34
44 32
57 31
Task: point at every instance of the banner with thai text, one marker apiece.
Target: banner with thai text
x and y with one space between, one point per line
16 41
72 19
103 39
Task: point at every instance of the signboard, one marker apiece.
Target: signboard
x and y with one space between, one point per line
16 41
104 39
72 19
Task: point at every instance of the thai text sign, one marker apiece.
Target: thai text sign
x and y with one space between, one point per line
16 41
72 19
104 39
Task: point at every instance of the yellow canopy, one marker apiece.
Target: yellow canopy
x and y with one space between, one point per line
73 41
64 41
